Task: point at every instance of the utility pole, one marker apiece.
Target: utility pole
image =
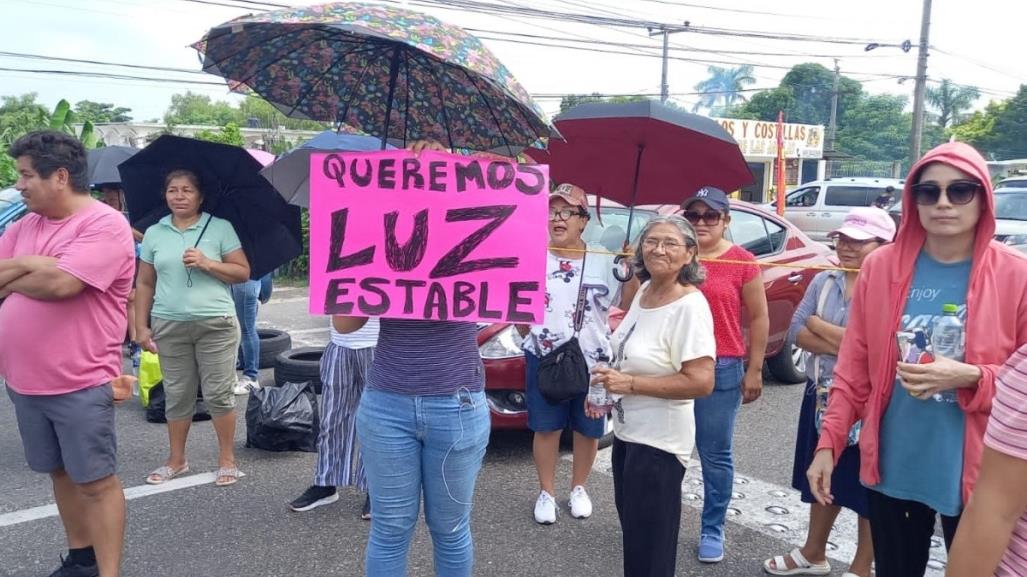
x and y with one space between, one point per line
832 126
665 32
921 84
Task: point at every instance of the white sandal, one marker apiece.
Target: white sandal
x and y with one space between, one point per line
802 566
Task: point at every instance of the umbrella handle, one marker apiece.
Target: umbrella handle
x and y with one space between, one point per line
621 276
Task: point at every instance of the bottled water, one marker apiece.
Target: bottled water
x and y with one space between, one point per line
948 339
598 399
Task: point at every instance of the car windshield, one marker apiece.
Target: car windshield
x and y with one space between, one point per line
9 196
1011 205
1014 183
610 233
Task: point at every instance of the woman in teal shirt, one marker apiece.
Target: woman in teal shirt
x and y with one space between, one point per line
185 314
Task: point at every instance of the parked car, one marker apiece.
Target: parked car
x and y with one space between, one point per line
769 237
1013 182
820 206
1010 215
12 207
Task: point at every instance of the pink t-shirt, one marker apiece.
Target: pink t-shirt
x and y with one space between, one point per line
1007 433
723 290
57 347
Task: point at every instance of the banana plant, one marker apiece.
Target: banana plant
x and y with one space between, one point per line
63 119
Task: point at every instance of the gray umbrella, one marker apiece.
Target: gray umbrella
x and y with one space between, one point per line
103 163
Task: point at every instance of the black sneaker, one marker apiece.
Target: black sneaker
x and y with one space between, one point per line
365 511
69 569
314 497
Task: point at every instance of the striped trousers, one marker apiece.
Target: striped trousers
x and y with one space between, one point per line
343 374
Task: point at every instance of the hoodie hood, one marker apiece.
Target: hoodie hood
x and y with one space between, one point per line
911 233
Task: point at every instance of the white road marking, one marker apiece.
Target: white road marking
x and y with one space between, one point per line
779 512
288 300
45 511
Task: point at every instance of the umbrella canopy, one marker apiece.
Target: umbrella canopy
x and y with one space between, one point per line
643 153
262 156
103 163
396 74
233 189
290 174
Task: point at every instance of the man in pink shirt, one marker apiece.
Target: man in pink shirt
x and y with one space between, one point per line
65 274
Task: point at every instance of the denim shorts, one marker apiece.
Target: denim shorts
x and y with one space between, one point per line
544 417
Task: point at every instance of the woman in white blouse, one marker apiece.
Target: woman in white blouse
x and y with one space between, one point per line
664 357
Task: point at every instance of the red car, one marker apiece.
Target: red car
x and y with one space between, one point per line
771 238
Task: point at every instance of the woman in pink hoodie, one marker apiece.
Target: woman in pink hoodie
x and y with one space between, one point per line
923 424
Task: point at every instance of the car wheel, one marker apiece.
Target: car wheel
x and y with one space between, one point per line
300 366
789 365
272 343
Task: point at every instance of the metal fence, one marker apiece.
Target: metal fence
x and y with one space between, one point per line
864 168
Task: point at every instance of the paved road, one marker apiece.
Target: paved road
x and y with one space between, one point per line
198 530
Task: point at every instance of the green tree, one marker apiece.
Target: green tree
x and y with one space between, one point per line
97 112
876 128
266 115
228 134
21 114
192 108
978 128
804 95
951 101
64 119
724 88
1009 139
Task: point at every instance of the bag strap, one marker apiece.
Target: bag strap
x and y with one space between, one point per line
579 306
821 303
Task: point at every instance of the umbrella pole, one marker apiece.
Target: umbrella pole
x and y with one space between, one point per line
393 75
631 217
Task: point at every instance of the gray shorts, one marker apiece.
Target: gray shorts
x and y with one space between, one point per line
73 432
193 355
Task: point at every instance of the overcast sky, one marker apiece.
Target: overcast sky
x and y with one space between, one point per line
981 46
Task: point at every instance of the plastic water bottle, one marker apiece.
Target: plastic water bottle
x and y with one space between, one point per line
598 399
948 339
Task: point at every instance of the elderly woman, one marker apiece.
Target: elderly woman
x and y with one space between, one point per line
186 315
664 354
818 327
923 423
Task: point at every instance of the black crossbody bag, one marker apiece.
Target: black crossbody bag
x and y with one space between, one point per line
563 373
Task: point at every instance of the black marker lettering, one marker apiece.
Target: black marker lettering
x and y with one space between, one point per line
530 189
463 302
514 315
412 172
336 261
452 263
408 295
387 173
361 180
335 291
407 257
483 305
334 168
497 181
466 172
436 301
437 176
370 285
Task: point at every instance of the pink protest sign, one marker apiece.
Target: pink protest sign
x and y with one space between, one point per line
436 236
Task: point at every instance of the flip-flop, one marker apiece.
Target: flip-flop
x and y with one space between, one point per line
233 474
802 566
165 473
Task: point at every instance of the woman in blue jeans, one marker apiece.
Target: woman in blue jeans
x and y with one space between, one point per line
247 295
728 286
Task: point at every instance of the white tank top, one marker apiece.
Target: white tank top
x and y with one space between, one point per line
364 338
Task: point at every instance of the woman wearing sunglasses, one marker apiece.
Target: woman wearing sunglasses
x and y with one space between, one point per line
923 424
728 287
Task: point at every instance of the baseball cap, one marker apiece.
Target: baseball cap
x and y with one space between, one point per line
712 197
574 195
865 223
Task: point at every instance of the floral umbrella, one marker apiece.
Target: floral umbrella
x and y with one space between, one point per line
396 74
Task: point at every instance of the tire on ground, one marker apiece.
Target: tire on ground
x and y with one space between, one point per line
272 343
299 366
782 365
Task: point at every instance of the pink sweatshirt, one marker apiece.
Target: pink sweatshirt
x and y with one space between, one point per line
996 326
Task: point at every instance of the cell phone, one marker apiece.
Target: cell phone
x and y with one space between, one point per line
913 347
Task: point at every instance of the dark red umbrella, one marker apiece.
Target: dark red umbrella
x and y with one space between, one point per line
642 153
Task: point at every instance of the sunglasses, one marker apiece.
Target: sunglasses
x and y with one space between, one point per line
958 192
709 218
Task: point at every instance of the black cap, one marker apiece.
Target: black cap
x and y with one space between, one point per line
712 197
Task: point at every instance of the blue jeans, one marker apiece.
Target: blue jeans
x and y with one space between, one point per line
714 429
413 444
245 296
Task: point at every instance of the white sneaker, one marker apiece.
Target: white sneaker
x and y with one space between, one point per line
545 509
244 385
581 505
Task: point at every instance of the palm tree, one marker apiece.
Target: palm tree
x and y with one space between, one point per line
951 100
724 86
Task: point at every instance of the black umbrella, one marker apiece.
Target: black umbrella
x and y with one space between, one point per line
103 163
233 189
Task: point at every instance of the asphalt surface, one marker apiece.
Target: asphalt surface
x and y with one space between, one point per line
200 530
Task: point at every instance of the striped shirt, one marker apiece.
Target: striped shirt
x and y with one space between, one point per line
416 357
1007 434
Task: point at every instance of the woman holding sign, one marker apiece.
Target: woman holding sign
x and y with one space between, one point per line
423 426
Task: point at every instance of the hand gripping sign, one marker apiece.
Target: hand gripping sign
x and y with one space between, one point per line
436 236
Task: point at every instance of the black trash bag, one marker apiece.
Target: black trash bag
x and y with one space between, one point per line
283 418
155 410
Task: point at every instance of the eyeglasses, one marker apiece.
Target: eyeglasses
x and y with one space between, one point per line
958 192
709 218
668 244
840 240
564 214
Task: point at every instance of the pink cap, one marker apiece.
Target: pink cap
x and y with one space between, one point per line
865 223
574 195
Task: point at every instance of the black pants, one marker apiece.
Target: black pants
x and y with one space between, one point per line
902 532
647 490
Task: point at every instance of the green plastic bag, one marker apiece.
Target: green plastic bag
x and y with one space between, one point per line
149 376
